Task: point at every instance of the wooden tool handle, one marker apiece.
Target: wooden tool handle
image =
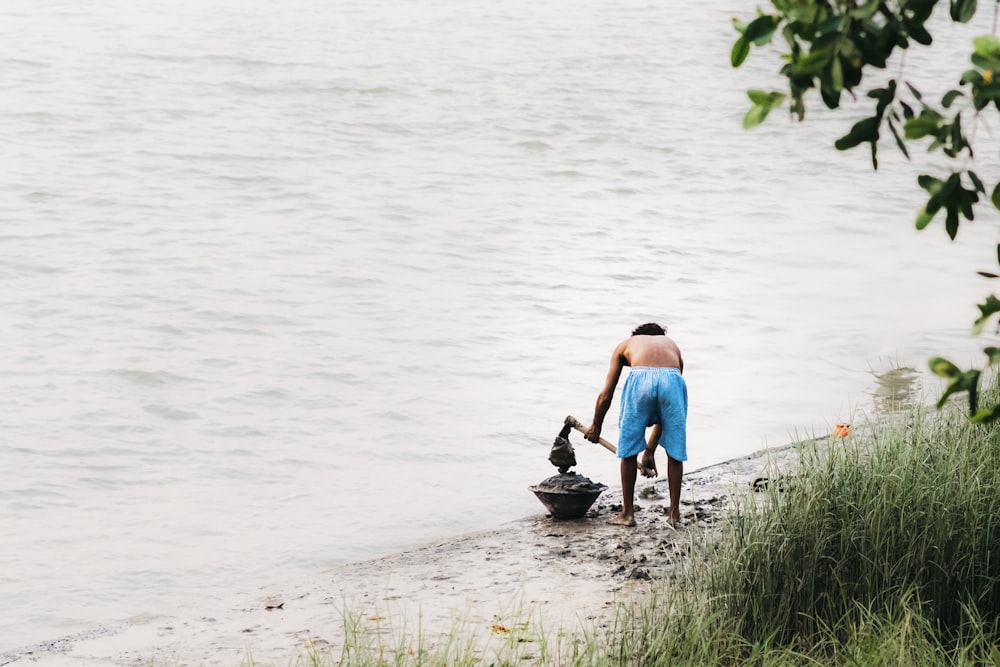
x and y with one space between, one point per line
572 421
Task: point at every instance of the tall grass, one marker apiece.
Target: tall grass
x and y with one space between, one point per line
880 550
907 520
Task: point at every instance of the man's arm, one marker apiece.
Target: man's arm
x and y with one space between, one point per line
618 362
648 463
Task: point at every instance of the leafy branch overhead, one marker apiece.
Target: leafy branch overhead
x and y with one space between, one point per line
831 46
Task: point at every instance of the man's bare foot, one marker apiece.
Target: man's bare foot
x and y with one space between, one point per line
674 518
622 520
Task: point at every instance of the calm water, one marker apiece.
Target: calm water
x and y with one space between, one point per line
290 284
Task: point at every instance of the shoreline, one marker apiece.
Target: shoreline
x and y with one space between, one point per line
565 575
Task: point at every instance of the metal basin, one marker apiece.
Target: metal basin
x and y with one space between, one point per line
564 505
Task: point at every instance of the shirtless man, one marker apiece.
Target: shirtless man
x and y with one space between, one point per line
654 394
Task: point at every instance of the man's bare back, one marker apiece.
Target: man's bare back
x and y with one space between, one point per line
654 351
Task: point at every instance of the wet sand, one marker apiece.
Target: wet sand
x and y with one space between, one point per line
536 574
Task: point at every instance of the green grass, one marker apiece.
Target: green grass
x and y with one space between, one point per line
906 522
883 549
520 638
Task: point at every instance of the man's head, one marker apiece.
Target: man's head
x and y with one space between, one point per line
650 329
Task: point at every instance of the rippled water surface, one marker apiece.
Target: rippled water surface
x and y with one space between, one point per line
290 284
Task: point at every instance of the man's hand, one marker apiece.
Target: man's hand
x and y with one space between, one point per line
648 464
593 433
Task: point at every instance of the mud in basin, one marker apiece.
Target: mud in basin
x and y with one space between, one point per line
567 495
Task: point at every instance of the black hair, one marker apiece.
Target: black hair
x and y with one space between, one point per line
650 329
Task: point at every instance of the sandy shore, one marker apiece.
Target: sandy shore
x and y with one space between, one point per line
536 572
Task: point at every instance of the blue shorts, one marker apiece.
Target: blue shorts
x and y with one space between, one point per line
653 396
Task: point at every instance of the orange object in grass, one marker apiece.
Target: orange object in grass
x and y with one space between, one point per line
841 430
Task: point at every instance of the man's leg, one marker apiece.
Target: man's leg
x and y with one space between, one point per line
627 515
675 471
673 405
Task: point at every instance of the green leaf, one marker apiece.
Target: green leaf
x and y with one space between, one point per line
899 141
951 221
789 34
981 61
970 381
986 57
966 209
919 35
814 63
978 184
755 116
763 102
969 199
993 354
963 10
916 93
988 308
934 204
760 29
967 381
949 97
943 368
995 198
958 141
951 185
886 95
921 9
924 217
764 98
921 126
931 184
831 26
953 387
987 416
970 76
987 274
837 74
741 49
987 46
863 130
831 97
